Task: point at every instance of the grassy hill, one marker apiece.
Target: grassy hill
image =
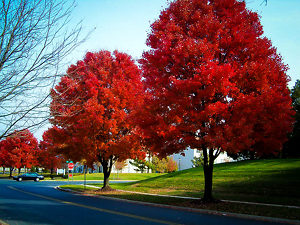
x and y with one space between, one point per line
268 181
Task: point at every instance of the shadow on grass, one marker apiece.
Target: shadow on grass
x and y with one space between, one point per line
268 181
279 187
220 206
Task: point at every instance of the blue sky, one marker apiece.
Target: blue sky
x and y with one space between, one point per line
123 25
281 23
120 24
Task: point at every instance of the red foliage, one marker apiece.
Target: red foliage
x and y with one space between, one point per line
49 156
171 165
119 165
92 105
213 81
19 149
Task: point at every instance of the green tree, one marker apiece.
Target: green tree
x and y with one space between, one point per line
291 148
139 164
197 161
160 165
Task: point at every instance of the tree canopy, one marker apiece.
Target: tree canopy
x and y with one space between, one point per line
19 149
291 148
213 82
91 107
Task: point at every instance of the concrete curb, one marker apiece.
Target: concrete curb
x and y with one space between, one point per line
188 209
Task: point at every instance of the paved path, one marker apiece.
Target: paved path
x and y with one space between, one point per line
29 202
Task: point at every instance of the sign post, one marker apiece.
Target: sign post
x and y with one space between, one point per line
83 161
70 167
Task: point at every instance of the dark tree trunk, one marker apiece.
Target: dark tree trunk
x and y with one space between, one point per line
252 155
51 173
3 172
106 177
208 173
10 171
107 166
19 170
208 165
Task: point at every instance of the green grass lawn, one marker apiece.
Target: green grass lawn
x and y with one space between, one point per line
6 175
267 181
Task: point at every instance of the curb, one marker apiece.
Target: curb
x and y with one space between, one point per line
188 209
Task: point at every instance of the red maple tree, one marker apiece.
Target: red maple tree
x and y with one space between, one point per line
20 150
213 83
91 107
5 159
49 156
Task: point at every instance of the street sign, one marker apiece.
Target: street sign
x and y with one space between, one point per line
71 166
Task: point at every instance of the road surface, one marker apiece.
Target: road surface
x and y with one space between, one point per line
28 202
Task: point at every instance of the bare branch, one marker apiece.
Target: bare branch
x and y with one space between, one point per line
35 38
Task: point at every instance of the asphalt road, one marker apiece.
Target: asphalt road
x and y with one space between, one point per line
31 202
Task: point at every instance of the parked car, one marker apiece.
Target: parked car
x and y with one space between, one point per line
29 176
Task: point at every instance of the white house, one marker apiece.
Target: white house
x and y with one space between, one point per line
185 162
126 169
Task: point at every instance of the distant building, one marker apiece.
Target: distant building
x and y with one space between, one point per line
126 169
185 161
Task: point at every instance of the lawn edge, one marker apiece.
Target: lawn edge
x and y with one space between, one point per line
188 209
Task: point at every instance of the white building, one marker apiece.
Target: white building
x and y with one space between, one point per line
126 169
185 162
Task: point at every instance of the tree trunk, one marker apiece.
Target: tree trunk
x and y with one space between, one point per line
208 165
10 171
252 155
19 171
3 172
208 174
51 173
107 166
106 178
